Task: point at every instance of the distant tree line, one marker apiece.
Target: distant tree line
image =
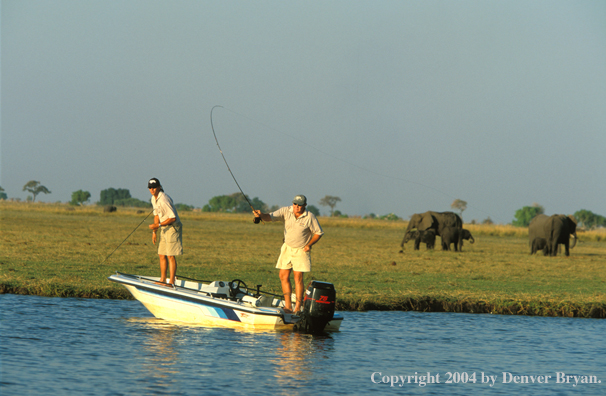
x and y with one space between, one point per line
585 218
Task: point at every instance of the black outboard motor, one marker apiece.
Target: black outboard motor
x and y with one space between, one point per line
318 308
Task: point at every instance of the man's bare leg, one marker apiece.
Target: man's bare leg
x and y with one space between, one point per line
172 267
163 266
299 290
286 288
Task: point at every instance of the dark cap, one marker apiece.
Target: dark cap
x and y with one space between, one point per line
300 200
153 183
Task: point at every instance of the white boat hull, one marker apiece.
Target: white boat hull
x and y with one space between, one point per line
195 303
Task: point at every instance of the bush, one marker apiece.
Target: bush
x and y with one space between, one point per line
184 208
390 217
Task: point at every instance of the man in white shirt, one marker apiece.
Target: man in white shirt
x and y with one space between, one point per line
166 219
301 231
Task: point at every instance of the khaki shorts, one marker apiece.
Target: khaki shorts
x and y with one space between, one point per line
171 240
295 259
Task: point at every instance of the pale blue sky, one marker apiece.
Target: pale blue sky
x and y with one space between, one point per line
394 106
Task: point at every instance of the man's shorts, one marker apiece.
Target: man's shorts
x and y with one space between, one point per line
295 259
171 240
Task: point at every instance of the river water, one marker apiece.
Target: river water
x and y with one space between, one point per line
68 346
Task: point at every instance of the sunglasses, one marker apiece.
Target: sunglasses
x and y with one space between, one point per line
296 204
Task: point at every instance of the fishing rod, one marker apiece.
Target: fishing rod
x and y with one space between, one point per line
257 219
152 211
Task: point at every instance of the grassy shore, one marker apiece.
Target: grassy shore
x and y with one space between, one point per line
60 250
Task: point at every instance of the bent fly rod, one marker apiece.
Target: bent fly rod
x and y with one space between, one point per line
257 219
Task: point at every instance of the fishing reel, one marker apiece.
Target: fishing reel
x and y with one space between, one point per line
257 220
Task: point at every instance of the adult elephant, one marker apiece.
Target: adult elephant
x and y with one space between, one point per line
436 221
556 230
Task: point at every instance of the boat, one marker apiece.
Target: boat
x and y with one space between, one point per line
232 304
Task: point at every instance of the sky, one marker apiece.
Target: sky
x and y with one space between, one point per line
393 106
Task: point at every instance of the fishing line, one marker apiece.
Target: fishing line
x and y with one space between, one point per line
257 219
128 236
337 158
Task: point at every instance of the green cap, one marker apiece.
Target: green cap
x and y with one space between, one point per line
300 200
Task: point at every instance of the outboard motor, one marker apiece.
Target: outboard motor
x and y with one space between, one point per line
318 308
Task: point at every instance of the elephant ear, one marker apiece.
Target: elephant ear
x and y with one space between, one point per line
573 223
426 222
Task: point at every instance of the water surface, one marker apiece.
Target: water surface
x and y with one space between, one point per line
73 346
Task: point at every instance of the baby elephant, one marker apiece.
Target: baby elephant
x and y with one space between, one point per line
539 244
428 237
454 235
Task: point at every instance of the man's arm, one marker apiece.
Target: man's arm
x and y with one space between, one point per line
263 216
311 242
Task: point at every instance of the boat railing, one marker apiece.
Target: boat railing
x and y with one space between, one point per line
139 277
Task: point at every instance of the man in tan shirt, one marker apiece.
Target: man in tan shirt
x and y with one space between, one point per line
301 231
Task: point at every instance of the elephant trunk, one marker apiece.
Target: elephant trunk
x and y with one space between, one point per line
574 239
471 240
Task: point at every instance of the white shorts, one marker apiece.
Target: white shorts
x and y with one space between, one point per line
171 240
295 259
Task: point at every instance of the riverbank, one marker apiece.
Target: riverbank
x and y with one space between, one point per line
59 250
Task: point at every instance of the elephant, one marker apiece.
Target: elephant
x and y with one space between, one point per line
435 221
466 235
428 237
455 235
556 230
539 244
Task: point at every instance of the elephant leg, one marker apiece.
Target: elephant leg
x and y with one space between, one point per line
417 243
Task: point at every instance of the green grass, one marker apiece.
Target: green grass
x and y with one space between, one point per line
59 250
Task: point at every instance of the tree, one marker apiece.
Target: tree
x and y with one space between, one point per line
244 207
313 209
233 203
526 214
79 197
460 205
220 203
111 195
35 188
588 219
2 194
331 202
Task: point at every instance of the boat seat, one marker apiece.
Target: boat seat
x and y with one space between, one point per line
266 300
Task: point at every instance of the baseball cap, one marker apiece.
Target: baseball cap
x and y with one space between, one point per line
300 200
153 183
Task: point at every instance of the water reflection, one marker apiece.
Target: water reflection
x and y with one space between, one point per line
299 358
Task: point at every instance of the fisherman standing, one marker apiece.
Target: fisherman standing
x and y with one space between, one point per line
170 240
301 231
